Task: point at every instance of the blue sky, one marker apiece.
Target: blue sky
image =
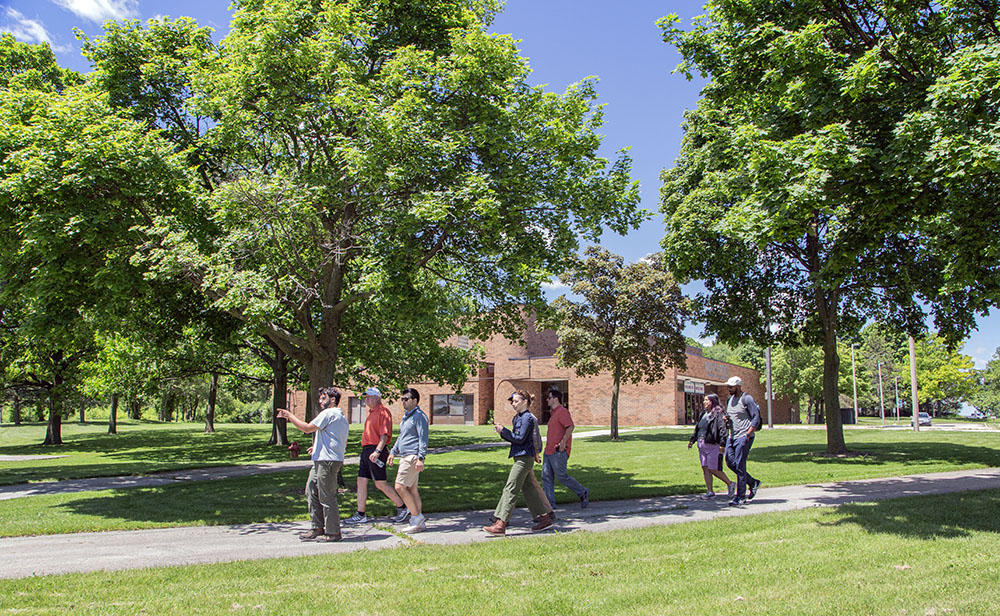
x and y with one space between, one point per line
565 41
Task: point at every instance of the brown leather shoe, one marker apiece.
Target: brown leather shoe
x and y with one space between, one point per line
311 535
544 521
330 538
497 529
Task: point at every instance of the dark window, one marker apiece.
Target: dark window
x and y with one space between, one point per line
452 405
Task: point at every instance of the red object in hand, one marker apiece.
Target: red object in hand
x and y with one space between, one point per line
294 449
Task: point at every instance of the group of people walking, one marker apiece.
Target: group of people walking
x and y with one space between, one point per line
330 430
732 427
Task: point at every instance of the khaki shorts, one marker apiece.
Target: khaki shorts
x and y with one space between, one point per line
407 473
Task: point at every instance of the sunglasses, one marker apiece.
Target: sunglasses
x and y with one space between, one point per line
405 398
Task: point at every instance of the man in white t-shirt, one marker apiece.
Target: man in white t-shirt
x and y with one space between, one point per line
329 430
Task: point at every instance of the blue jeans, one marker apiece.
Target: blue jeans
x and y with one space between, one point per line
737 452
554 467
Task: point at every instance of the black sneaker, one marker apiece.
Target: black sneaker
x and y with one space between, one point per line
753 489
585 499
737 502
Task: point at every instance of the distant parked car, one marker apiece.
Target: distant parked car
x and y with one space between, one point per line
924 418
977 415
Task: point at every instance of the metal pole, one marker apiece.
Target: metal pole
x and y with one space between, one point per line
881 401
897 398
770 395
854 378
913 385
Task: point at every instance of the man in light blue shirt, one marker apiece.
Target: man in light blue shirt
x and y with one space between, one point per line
411 447
329 430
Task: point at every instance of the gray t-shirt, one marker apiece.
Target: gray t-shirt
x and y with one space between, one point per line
739 413
330 441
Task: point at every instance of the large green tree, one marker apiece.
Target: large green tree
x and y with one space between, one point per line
797 196
628 321
389 177
76 181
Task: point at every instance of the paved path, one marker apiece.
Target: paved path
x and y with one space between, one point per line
21 490
55 554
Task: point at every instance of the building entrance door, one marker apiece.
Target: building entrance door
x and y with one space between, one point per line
693 407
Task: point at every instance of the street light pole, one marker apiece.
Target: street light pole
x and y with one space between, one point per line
770 395
854 379
897 398
881 401
913 385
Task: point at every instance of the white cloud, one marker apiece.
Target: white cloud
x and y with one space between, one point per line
99 11
29 30
980 356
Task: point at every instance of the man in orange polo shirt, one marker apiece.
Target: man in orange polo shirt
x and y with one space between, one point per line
375 440
559 441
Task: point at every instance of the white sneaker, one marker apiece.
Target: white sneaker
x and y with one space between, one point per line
417 524
707 495
732 489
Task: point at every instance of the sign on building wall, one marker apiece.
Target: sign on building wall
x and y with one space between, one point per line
716 370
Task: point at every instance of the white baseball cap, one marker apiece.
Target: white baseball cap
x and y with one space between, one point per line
735 381
373 391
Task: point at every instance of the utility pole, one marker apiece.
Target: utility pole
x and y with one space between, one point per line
854 378
897 398
913 385
770 394
881 401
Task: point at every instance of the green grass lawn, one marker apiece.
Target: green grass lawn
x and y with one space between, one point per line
919 556
647 463
145 447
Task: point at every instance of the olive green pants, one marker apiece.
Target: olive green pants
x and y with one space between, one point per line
321 494
517 481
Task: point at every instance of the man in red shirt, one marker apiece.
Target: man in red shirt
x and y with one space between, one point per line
375 440
558 442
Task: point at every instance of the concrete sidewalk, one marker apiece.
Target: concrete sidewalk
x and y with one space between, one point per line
22 490
56 554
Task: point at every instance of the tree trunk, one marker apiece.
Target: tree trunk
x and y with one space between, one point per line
167 404
279 399
320 375
83 414
113 415
213 390
53 432
134 410
831 371
17 410
614 402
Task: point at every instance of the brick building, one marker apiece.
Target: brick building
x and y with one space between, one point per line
676 400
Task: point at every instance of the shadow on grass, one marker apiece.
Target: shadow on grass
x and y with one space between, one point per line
279 497
166 449
880 453
925 517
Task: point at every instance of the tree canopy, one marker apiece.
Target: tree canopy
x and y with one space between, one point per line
389 178
628 321
799 195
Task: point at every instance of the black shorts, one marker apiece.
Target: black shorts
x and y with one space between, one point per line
367 468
